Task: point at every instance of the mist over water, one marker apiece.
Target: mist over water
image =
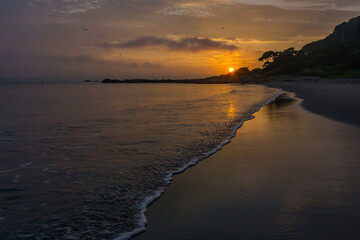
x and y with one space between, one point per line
78 160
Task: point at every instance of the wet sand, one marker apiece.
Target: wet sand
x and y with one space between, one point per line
288 174
338 101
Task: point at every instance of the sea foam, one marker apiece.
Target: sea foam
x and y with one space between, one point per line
169 177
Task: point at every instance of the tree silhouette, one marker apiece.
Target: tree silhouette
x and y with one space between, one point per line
268 57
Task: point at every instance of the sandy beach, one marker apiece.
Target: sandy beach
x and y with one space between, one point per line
293 172
338 101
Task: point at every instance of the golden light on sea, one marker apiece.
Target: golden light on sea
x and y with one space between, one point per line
231 69
231 111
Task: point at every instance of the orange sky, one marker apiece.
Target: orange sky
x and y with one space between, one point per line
155 38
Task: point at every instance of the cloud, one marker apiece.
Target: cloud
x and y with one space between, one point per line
192 44
66 6
83 58
88 59
338 3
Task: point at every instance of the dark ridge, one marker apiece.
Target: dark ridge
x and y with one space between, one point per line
337 55
346 32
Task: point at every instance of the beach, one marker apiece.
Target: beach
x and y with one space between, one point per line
186 120
292 172
337 100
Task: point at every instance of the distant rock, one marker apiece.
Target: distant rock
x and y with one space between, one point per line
108 80
213 80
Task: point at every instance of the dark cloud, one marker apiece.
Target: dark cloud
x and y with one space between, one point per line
87 59
193 44
338 3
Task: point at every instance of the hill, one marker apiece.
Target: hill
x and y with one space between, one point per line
338 55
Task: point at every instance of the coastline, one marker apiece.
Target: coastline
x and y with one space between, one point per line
244 79
172 213
193 162
336 93
338 100
211 80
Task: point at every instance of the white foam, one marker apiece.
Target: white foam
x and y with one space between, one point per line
80 147
26 165
150 199
16 180
9 170
14 169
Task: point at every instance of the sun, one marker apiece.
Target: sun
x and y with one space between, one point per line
231 69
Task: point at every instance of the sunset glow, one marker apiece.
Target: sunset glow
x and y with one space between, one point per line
110 100
152 39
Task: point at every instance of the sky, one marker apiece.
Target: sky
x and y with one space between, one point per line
96 39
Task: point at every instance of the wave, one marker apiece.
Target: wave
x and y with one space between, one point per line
14 169
170 174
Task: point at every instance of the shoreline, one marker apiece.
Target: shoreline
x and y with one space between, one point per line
338 101
252 79
154 234
149 200
330 104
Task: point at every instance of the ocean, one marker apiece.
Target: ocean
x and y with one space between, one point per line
84 160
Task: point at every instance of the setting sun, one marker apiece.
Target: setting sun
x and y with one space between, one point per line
231 69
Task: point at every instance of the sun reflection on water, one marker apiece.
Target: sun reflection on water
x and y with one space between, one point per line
231 111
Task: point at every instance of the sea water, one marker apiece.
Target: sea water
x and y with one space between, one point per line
83 160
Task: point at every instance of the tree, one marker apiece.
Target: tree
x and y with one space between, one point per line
289 52
268 57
